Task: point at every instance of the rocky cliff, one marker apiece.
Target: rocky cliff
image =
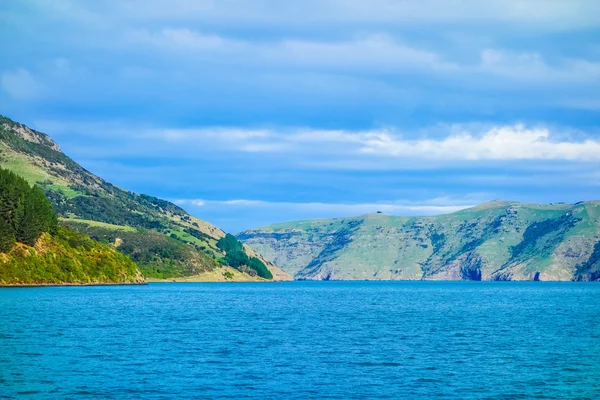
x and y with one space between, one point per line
494 241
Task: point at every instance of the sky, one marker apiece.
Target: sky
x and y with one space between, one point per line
248 113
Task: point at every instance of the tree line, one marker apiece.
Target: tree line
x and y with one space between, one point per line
25 212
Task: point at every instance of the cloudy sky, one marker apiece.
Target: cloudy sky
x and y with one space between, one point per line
253 112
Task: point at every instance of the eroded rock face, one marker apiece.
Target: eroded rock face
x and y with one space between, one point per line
32 136
494 241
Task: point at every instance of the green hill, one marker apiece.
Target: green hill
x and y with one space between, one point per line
35 250
493 241
163 240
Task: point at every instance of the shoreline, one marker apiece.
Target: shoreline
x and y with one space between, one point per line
34 285
218 275
184 280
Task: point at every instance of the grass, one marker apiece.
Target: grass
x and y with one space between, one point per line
33 174
22 167
186 237
66 190
88 222
210 244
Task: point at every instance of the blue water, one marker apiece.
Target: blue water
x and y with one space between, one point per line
333 340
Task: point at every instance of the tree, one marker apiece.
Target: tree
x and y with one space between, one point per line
25 211
229 243
12 196
260 268
7 236
236 259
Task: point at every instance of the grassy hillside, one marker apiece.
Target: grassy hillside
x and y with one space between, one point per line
66 258
159 236
35 250
494 241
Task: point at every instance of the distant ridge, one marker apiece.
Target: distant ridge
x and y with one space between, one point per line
496 240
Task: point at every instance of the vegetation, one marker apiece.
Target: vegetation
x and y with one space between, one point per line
25 212
237 258
67 257
157 255
36 251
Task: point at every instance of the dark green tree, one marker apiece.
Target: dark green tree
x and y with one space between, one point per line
25 211
229 243
236 259
260 268
7 236
13 190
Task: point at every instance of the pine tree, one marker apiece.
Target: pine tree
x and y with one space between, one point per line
13 190
29 225
25 211
7 236
260 268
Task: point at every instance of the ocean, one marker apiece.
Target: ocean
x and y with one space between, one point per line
302 340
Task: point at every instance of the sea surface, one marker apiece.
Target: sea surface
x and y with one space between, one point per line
331 340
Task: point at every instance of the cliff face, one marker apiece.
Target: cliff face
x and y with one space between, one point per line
494 241
163 239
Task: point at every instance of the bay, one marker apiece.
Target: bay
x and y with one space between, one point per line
334 340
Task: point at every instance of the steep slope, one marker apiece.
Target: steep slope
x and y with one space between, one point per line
67 258
493 241
159 236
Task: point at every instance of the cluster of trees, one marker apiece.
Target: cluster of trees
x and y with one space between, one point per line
237 258
25 212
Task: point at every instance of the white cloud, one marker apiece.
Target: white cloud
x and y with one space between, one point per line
532 67
185 39
425 207
512 142
263 147
208 133
347 149
20 84
374 51
499 143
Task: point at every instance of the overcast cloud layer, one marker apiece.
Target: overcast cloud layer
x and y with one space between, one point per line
253 112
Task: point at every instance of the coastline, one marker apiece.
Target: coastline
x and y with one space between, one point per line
32 285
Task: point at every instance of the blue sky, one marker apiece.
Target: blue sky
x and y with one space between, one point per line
254 112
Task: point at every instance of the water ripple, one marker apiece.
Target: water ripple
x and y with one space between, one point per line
302 340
